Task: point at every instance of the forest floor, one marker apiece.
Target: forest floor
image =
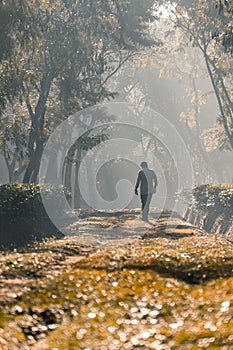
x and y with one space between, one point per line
119 283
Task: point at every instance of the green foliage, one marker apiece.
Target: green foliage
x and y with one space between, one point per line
6 42
13 142
17 200
15 16
219 197
63 54
209 30
22 215
211 207
225 10
17 30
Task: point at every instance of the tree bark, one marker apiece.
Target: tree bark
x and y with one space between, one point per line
67 168
36 137
37 157
77 192
220 104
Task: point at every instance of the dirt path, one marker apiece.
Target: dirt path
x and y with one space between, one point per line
154 285
102 229
21 271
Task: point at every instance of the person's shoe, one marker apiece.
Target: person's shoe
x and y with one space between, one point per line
145 220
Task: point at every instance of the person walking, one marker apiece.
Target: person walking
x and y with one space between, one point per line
148 182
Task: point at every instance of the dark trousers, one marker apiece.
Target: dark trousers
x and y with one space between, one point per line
145 199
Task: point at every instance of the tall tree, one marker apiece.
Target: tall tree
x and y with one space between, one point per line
225 36
16 30
204 25
77 46
13 144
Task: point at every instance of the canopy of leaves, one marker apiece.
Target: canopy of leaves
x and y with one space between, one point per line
225 10
72 40
63 53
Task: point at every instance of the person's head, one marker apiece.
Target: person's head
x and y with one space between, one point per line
144 165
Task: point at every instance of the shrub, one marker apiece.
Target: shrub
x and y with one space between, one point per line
23 218
217 197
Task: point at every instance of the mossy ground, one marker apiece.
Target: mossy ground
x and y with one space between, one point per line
170 288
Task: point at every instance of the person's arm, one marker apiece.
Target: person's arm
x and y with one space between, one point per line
137 183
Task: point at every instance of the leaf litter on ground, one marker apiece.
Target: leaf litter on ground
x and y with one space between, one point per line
157 291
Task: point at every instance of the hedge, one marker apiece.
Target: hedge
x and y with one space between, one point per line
23 218
218 197
211 208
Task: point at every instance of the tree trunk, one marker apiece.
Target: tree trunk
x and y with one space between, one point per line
77 193
67 168
200 149
36 137
29 170
37 159
11 175
10 165
220 103
18 172
52 172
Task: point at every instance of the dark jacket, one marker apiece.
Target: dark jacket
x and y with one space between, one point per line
147 181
